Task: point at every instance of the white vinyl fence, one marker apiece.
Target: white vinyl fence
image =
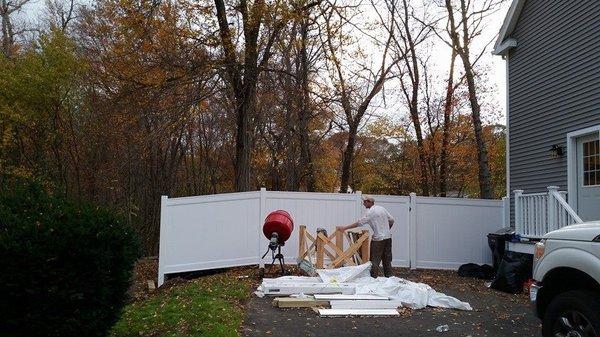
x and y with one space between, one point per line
225 230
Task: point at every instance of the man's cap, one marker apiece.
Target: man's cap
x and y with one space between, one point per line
368 198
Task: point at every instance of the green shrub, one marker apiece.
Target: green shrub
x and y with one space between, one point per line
65 267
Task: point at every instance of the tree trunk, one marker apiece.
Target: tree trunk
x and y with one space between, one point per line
412 65
348 157
242 144
421 148
306 164
242 79
482 154
448 105
7 32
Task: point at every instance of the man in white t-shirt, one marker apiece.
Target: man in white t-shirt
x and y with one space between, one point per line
381 222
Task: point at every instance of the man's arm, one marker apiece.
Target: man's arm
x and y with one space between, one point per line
391 219
360 222
350 226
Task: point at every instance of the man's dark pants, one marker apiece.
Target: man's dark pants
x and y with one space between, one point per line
381 251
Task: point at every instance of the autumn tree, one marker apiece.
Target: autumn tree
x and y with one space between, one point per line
242 72
150 79
355 84
39 111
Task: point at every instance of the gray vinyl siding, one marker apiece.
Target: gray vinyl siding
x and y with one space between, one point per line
554 87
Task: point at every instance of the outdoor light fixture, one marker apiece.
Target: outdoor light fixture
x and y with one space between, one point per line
556 151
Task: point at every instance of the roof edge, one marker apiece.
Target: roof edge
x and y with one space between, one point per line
505 46
508 27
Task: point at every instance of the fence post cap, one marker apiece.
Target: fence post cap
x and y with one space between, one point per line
518 191
553 188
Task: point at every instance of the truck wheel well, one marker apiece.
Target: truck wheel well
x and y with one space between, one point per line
560 280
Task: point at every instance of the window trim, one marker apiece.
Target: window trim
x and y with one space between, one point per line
572 181
596 171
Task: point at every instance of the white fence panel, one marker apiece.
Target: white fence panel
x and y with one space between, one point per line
207 232
225 230
314 210
398 207
451 232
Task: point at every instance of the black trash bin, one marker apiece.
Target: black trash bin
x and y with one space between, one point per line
497 243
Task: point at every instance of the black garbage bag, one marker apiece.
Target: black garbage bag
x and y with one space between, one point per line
515 268
484 271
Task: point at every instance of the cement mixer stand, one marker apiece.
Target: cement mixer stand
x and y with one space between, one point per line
272 247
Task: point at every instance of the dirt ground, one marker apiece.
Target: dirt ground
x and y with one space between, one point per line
495 314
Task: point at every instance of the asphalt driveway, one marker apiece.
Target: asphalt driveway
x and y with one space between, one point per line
495 314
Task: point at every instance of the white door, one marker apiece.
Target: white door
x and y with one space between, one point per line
588 177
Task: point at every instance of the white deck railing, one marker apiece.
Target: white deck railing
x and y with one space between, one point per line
539 213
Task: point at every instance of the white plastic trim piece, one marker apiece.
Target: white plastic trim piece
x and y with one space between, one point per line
316 288
343 297
358 312
364 304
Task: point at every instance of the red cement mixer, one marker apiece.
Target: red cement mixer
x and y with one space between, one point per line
277 228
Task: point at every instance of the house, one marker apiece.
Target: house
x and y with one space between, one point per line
552 53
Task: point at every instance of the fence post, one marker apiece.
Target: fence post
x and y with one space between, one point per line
412 230
261 217
162 240
551 209
518 212
359 205
506 211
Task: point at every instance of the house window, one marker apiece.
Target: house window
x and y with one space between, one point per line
591 163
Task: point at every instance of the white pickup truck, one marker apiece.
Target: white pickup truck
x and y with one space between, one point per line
566 291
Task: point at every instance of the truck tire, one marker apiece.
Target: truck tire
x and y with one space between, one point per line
576 312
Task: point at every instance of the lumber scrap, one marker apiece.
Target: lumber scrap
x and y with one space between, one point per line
358 312
364 304
349 297
290 302
307 288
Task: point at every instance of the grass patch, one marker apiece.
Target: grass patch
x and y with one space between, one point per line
209 306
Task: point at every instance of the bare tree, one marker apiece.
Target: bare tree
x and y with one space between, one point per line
412 33
60 13
353 92
7 9
470 22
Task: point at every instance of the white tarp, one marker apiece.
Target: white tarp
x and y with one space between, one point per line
356 280
345 274
411 294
